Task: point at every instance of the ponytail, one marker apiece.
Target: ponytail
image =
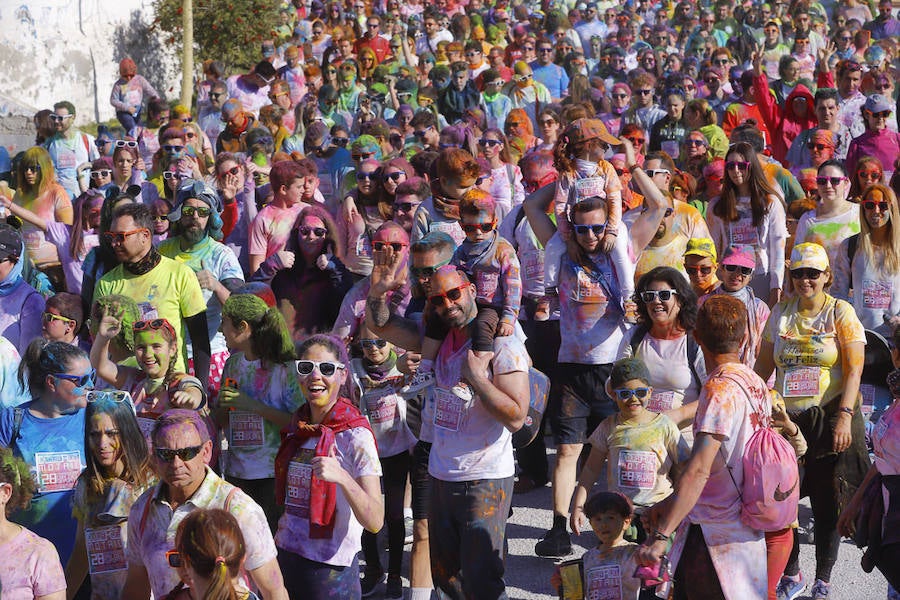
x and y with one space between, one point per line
42 358
220 587
271 340
211 542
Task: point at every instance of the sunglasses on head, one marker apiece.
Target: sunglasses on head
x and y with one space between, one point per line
740 165
625 394
597 229
317 231
101 173
369 343
868 205
327 368
745 271
117 396
49 317
86 380
447 297
126 144
661 295
185 454
812 274
834 181
152 325
200 211
475 227
395 176
698 270
380 245
118 237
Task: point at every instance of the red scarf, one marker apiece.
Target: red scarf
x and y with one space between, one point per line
323 494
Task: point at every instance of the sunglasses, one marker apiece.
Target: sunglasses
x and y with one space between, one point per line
118 237
216 94
364 176
661 295
101 173
102 142
597 229
231 171
834 181
522 78
381 245
317 231
185 454
59 118
620 96
491 143
175 559
818 147
527 48
117 396
340 142
698 270
643 92
475 227
625 394
449 296
200 211
86 380
405 206
745 271
655 172
169 149
740 165
636 140
161 218
49 317
870 174
368 343
170 175
811 274
545 50
395 176
326 368
126 144
868 205
881 115
425 272
695 142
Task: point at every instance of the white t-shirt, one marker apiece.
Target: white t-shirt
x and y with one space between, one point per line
670 375
385 409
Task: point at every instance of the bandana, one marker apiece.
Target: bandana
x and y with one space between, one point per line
144 265
380 371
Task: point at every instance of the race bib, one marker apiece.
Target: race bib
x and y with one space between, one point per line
661 401
299 478
590 187
381 404
801 381
448 409
246 429
589 290
637 469
486 284
148 311
743 233
604 583
57 471
877 294
66 159
106 552
533 265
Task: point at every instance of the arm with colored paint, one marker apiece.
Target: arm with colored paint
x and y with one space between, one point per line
116 375
505 397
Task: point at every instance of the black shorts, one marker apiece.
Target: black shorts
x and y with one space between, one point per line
583 402
420 480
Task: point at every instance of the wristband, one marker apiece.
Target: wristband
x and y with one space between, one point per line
633 167
659 536
849 411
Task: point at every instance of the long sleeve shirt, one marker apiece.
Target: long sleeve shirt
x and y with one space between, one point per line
126 95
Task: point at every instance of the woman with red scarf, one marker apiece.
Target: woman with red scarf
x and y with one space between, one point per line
327 476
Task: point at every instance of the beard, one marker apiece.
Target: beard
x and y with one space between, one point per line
193 234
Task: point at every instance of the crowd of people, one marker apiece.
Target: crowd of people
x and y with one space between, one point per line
242 337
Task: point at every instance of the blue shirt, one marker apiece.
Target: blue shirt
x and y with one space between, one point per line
554 77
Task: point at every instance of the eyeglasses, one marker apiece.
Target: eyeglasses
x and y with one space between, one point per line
661 295
475 227
834 181
449 296
200 211
316 231
868 205
101 173
698 270
49 317
597 229
380 245
489 143
811 274
326 368
369 343
59 118
185 454
117 396
818 147
360 176
126 144
86 380
655 172
395 176
745 271
625 394
635 140
740 165
118 237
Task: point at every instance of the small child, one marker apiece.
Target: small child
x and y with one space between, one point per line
609 568
642 447
492 265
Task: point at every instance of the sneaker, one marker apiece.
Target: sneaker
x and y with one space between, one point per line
408 524
542 309
370 581
789 588
420 381
556 544
394 588
820 590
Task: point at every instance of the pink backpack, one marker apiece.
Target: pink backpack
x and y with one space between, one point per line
770 493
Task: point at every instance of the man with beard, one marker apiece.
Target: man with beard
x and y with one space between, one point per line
69 147
196 229
682 222
161 287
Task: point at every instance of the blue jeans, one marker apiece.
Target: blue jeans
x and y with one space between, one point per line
129 121
466 529
304 578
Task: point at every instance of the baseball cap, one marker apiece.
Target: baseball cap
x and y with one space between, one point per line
628 369
701 247
582 130
742 256
878 103
809 256
10 242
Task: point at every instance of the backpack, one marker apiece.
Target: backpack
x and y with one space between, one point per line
539 391
770 493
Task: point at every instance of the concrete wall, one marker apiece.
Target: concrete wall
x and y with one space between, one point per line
53 50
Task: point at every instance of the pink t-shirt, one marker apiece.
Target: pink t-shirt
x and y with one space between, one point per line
36 571
271 228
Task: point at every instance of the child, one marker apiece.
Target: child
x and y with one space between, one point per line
492 265
610 567
642 446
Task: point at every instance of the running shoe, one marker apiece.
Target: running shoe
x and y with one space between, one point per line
820 590
370 582
789 588
556 544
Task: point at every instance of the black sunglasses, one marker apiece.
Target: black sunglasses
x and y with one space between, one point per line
369 343
811 274
185 454
584 229
745 271
473 227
